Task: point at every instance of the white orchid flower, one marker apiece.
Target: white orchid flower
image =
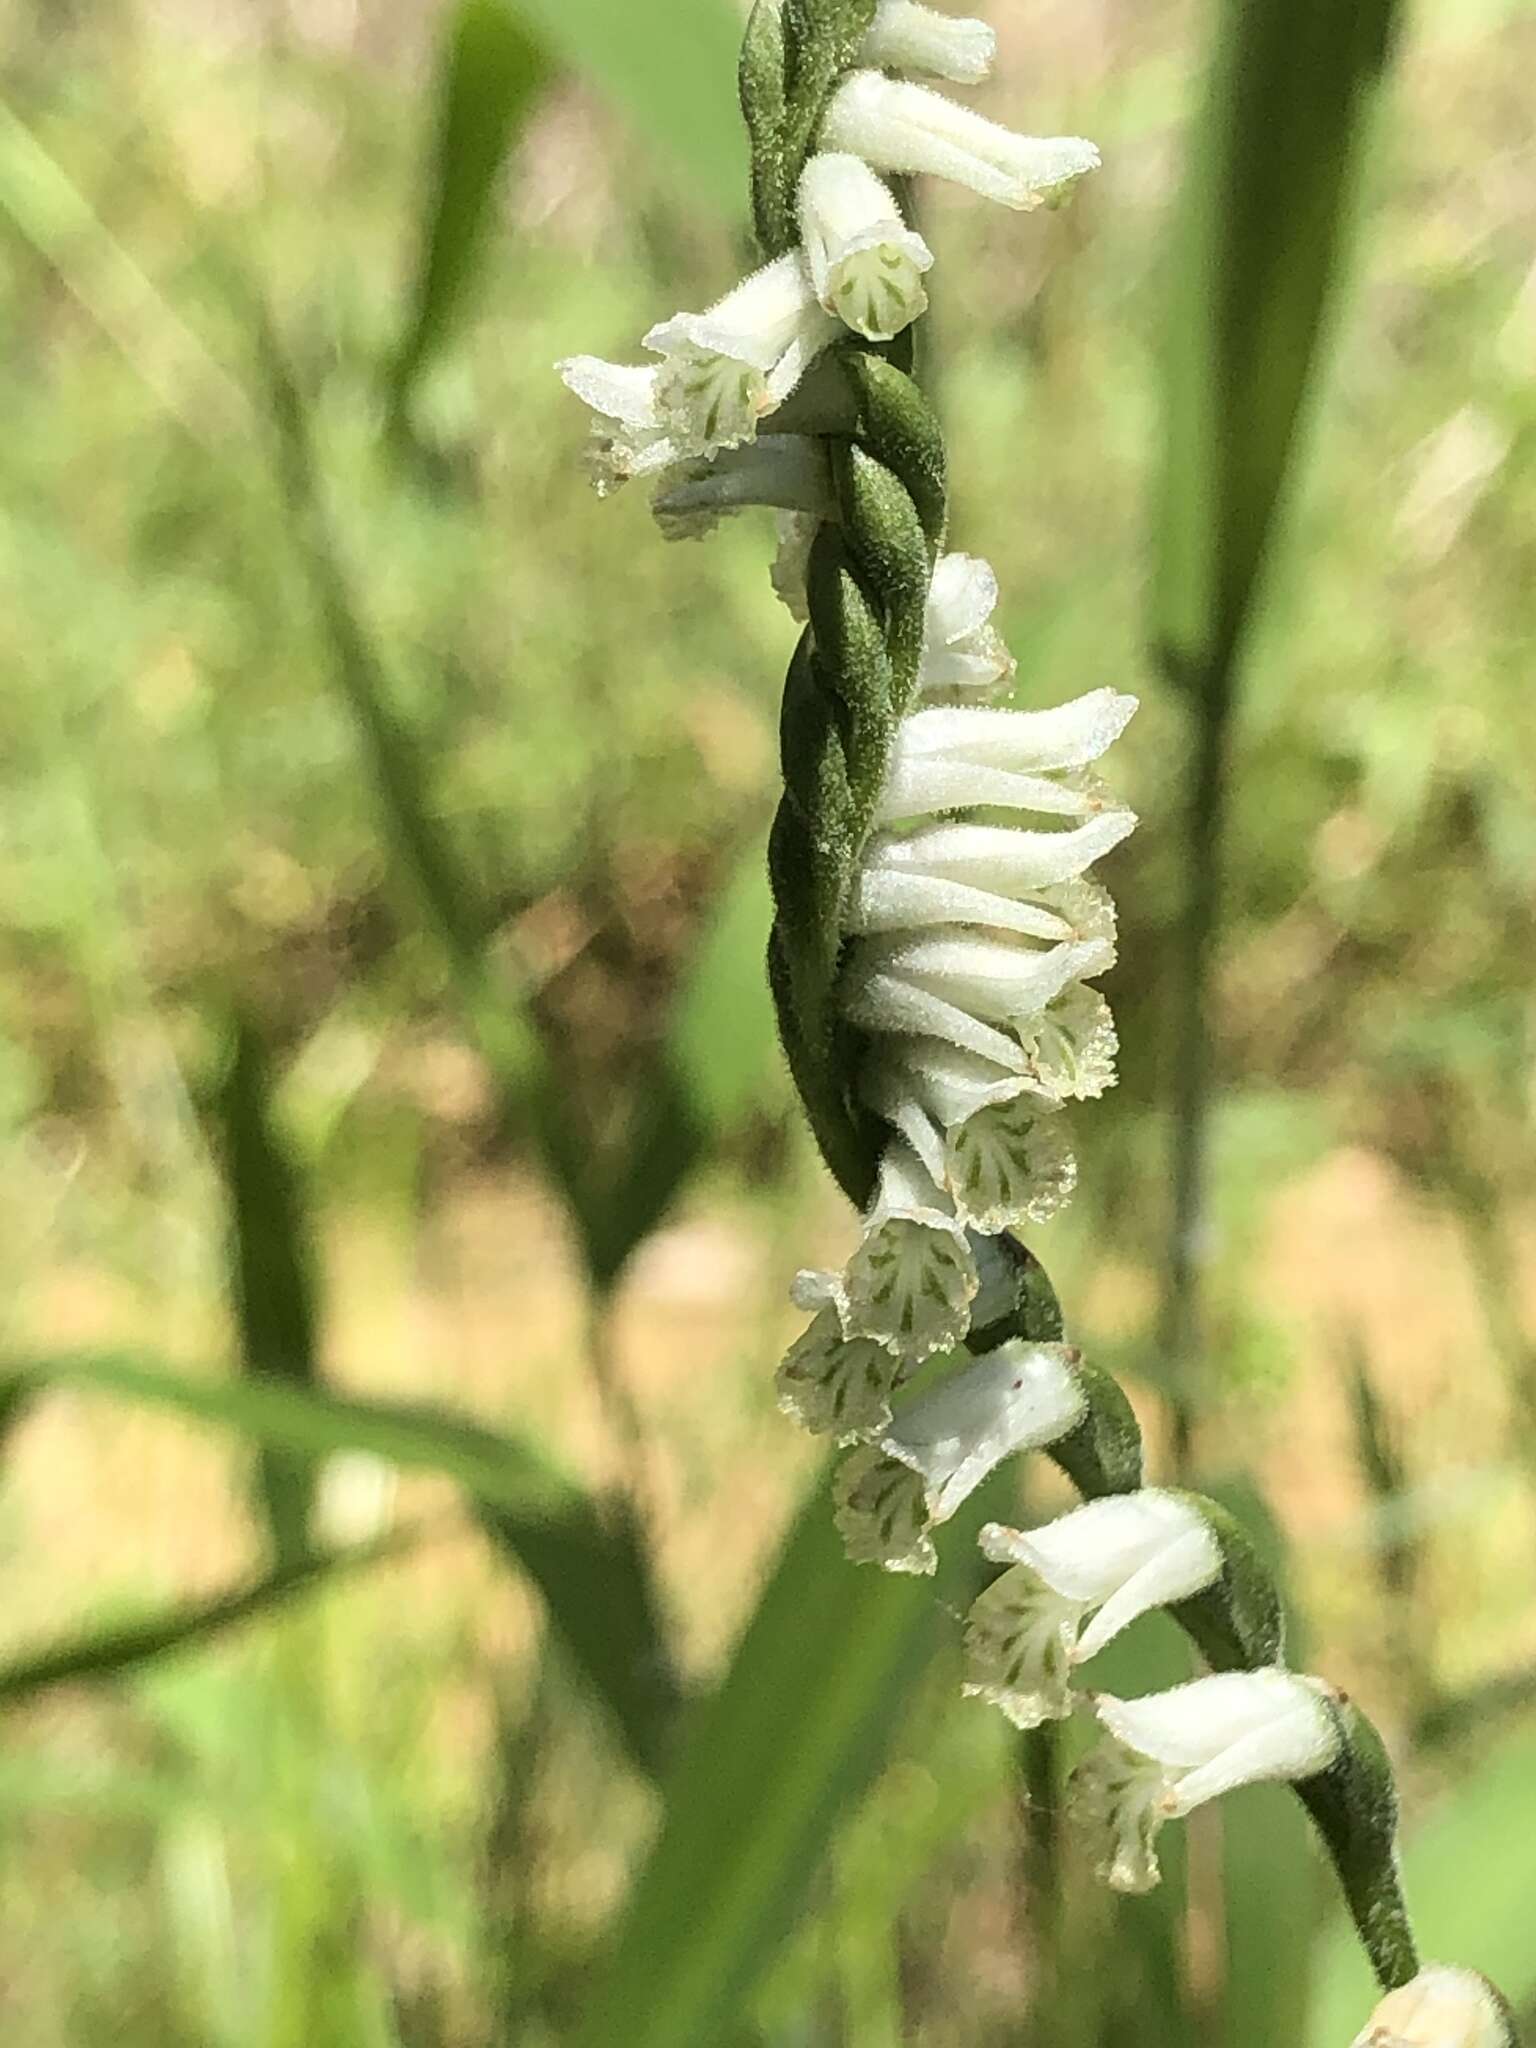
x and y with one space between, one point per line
724 370
953 755
1171 1752
910 1284
1070 1047
628 436
994 1140
896 126
892 1494
964 988
1115 1559
906 37
866 264
832 1384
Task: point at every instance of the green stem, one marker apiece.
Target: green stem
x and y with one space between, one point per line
1181 1321
1039 1876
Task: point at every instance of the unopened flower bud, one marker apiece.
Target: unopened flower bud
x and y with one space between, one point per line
1441 2008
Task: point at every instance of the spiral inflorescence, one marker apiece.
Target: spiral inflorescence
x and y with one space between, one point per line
935 942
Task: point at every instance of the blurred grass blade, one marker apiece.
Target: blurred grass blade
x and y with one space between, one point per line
271 1272
1267 196
796 1732
423 857
1265 207
14 1396
672 68
723 1034
489 78
108 1652
57 218
613 1211
1470 1872
618 1199
1461 1717
594 1578
1273 1872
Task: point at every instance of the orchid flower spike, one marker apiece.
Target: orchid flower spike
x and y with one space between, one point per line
938 928
906 37
1441 2008
1115 1559
896 126
1171 1752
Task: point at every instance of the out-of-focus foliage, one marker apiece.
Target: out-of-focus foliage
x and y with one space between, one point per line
452 782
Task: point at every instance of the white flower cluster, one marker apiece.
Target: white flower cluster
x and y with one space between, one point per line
973 932
1069 1590
973 938
720 375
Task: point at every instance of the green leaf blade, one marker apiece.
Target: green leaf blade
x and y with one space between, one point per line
490 76
794 1735
99 1654
593 1576
271 1269
1263 234
672 70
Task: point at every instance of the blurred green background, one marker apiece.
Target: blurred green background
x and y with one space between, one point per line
401 1185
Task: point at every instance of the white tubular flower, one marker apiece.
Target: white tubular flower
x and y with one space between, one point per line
906 37
1070 1047
724 369
951 756
866 264
910 1284
961 988
831 1384
1441 2008
1171 1752
628 437
900 127
788 471
1122 1555
1010 880
1066 1053
938 1451
1010 1163
963 655
993 1139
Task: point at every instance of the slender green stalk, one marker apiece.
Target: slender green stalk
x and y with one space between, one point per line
1181 1321
1039 1877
